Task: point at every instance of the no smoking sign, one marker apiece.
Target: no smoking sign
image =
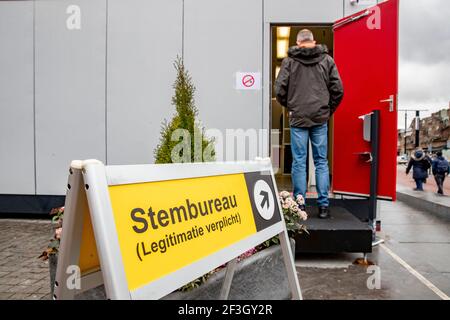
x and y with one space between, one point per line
248 81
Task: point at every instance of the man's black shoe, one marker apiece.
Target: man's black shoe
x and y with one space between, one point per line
324 213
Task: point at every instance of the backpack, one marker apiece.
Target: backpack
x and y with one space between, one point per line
442 166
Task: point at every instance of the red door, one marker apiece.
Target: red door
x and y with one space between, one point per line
366 53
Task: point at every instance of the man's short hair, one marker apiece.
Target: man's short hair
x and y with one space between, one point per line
305 35
439 153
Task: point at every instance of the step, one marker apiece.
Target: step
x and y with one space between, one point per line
343 232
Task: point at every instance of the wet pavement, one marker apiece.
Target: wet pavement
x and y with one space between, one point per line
413 263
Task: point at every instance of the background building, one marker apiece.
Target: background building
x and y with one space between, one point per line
434 134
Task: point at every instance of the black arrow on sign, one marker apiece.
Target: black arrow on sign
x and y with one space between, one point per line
265 199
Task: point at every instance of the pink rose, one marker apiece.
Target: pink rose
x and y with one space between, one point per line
58 233
289 202
303 215
300 200
284 194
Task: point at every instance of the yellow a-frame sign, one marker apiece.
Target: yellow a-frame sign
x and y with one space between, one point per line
143 231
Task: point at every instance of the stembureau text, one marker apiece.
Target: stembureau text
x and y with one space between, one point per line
178 214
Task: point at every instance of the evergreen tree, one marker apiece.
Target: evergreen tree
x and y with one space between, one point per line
190 145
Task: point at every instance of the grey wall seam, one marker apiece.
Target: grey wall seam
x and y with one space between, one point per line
34 97
106 81
182 30
263 46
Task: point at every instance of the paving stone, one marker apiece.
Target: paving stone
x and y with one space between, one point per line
39 276
28 282
35 288
47 297
44 289
14 281
17 288
19 296
5 295
36 296
5 288
7 268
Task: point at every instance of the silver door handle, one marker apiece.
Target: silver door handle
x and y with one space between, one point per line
391 102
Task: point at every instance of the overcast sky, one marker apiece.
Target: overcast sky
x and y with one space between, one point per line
424 79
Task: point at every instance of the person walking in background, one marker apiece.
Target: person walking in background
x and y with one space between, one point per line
310 87
420 164
441 169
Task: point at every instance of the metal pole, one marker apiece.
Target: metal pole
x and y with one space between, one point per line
417 129
417 142
406 128
374 135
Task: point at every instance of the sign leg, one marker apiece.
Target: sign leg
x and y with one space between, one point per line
69 251
225 291
290 266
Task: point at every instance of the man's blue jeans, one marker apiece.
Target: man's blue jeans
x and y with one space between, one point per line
299 145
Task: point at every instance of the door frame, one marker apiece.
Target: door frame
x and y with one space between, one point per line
267 87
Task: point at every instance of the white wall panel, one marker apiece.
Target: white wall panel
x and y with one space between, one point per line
222 38
144 39
16 98
303 11
70 89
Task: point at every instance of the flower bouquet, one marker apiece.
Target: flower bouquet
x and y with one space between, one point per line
293 215
53 245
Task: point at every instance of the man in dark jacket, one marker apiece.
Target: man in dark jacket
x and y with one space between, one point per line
440 170
310 87
420 164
